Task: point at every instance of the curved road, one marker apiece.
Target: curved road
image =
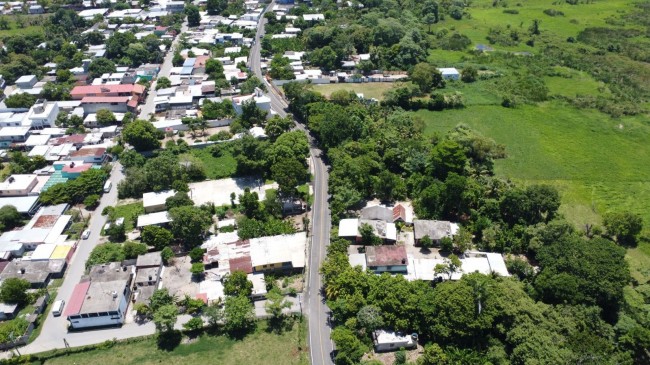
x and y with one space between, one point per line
320 345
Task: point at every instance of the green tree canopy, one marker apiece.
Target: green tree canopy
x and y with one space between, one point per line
142 135
237 283
14 290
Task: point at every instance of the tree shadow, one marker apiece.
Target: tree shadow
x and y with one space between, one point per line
279 325
169 340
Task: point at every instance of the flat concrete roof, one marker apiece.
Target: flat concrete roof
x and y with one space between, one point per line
149 259
103 296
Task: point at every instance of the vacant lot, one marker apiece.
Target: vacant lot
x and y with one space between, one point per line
216 167
260 347
13 28
369 90
130 212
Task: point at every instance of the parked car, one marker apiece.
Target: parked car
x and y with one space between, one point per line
85 234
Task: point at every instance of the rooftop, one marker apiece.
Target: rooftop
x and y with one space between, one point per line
149 259
436 230
386 255
88 152
110 272
104 99
18 182
153 218
103 296
146 275
156 198
279 249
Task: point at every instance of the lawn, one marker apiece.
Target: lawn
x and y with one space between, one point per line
260 347
369 90
130 212
216 167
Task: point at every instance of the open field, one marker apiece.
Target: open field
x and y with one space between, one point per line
598 163
484 16
13 28
260 347
369 90
216 167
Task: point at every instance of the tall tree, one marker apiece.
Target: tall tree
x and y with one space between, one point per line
237 284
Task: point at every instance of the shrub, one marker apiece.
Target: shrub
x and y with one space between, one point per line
91 201
167 254
511 11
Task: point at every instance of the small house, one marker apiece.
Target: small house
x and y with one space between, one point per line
391 259
449 73
392 341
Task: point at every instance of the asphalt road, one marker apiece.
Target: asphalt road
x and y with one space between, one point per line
320 345
149 107
55 328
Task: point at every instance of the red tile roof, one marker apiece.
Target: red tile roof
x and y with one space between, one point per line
73 138
399 212
104 99
45 221
133 102
76 299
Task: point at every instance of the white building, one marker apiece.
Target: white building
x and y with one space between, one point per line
42 114
263 102
18 185
392 341
449 73
155 201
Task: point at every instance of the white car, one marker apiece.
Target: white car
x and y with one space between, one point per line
85 234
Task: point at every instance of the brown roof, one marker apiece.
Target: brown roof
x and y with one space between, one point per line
241 264
74 139
385 255
45 221
85 152
399 212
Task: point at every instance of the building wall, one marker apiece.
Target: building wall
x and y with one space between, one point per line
272 267
154 208
115 108
101 320
391 269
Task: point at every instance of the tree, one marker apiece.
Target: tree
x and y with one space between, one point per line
4 23
21 100
534 28
433 355
193 15
276 126
216 7
160 298
370 318
368 236
426 77
451 266
448 156
238 316
106 117
325 58
165 317
163 83
100 66
469 74
275 304
158 237
14 290
91 201
142 135
250 204
9 218
288 173
350 348
214 69
133 249
426 242
624 227
578 271
178 200
189 223
116 233
142 310
196 254
167 254
237 284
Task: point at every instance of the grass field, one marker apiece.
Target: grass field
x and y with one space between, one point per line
27 30
260 347
596 162
484 17
130 213
369 90
216 167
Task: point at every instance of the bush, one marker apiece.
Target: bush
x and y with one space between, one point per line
511 11
196 254
197 269
220 136
194 324
167 254
553 12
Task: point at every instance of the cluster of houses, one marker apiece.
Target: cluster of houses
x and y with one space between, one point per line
397 255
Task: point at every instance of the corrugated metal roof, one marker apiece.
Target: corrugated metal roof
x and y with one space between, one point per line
76 299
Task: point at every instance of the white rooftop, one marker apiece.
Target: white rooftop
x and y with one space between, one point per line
156 198
153 218
279 249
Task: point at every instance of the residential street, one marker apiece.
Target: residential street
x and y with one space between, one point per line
55 328
148 107
320 345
